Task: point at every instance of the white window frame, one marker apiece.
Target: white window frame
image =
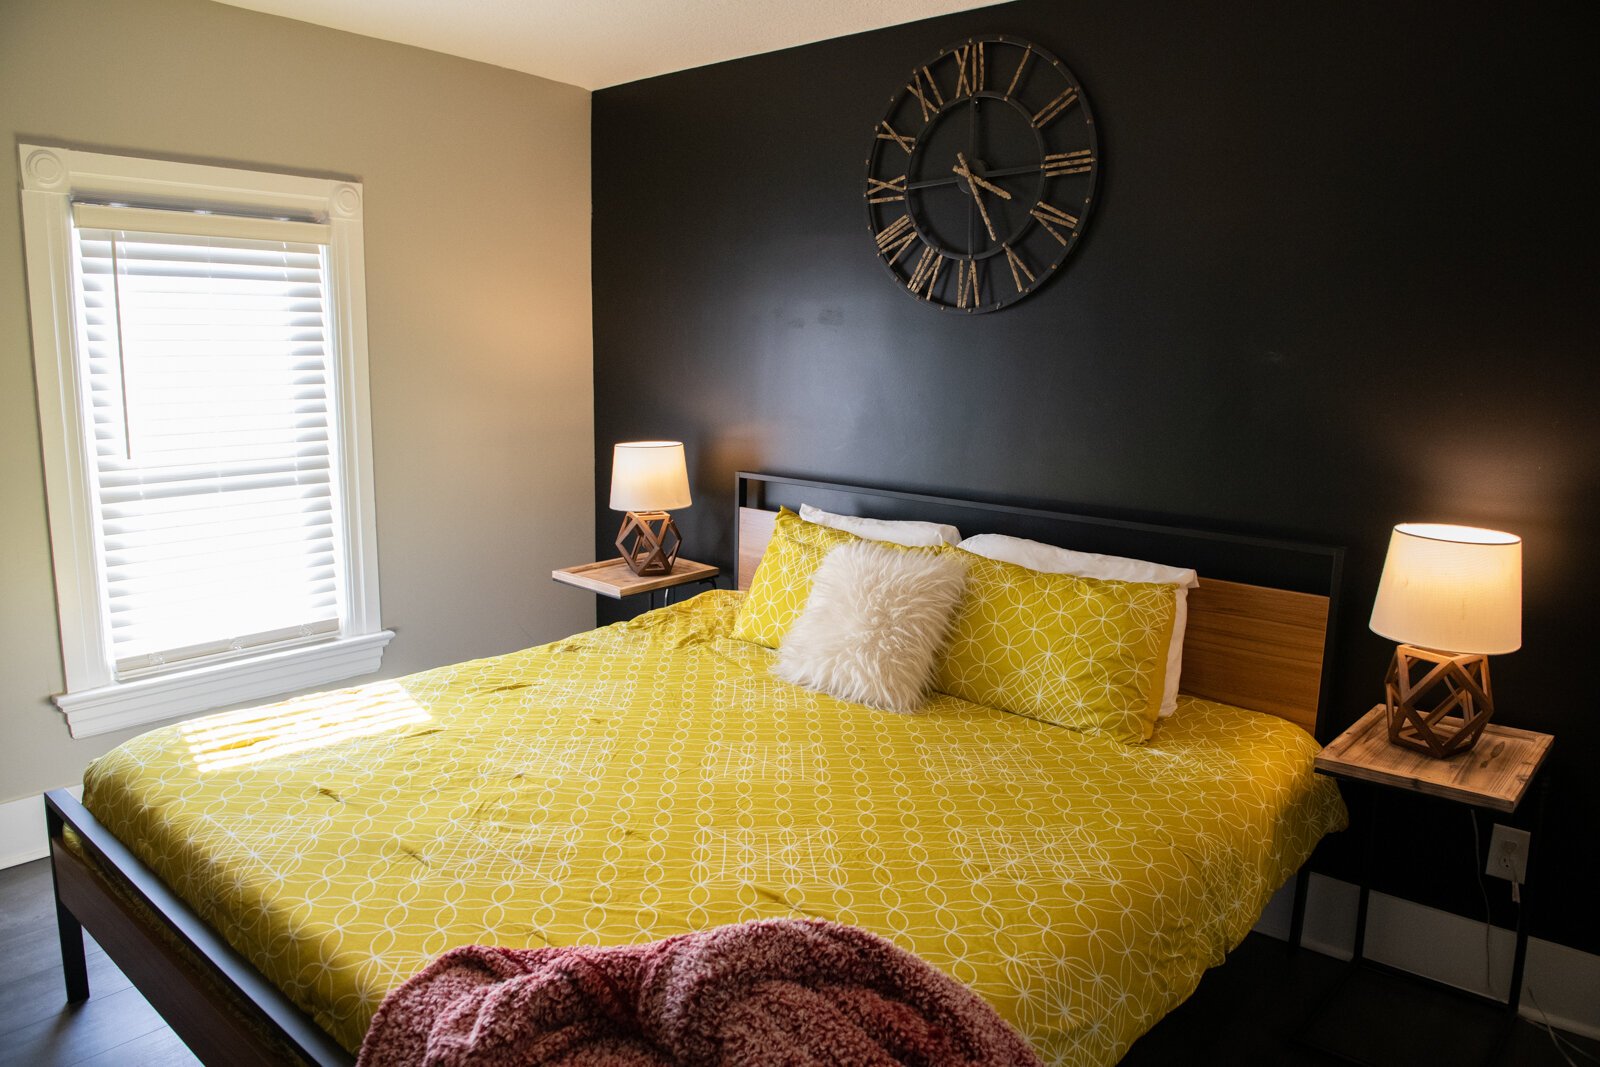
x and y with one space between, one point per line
95 702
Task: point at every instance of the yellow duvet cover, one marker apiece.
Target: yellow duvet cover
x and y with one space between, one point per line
653 777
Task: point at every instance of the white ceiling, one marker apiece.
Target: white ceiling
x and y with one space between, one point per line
596 43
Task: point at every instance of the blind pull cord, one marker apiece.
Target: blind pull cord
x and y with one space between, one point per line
122 352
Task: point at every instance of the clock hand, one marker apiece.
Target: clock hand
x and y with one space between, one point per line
962 169
972 185
995 189
1007 172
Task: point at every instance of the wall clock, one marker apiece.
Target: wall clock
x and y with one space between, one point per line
981 174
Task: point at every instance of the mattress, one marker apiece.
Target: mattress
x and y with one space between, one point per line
653 777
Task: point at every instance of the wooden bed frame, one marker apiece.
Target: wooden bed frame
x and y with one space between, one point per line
1260 624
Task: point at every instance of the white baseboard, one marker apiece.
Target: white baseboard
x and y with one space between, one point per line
22 836
1411 937
1447 948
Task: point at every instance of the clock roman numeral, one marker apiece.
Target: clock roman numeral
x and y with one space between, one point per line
1022 65
896 237
1019 269
967 283
1050 217
930 100
1055 107
969 69
886 192
1077 162
888 134
926 273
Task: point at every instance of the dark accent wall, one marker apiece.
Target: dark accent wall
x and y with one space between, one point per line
1341 274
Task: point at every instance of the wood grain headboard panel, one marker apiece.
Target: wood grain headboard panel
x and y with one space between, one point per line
1256 648
1252 646
755 530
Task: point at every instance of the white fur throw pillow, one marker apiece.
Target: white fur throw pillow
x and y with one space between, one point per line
874 625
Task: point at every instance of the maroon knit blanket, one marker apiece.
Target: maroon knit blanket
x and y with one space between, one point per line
779 993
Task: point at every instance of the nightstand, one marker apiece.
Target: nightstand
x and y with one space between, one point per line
612 578
1495 775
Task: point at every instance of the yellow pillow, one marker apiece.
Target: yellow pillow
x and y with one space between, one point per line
782 582
1089 653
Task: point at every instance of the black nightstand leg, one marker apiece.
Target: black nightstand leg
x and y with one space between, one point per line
1520 958
1367 839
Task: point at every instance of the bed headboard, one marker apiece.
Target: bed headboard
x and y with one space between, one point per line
1259 623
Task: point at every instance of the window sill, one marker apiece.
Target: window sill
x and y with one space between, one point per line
167 696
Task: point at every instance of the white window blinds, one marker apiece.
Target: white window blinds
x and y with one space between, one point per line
210 397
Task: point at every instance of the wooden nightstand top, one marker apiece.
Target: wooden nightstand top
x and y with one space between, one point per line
612 578
1495 774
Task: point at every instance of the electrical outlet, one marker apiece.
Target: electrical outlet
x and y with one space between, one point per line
1508 853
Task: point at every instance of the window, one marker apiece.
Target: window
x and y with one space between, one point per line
199 342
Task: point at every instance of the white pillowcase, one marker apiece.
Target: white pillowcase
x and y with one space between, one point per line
906 532
874 625
1052 560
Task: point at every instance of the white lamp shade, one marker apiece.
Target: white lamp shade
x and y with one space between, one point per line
1451 589
649 476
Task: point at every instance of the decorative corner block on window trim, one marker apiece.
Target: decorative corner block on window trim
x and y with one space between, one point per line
217 685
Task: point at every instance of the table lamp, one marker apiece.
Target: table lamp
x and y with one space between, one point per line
648 479
1452 597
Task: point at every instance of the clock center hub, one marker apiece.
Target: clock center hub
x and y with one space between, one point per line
979 169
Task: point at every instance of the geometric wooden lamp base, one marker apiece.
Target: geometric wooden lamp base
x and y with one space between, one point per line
654 545
1438 703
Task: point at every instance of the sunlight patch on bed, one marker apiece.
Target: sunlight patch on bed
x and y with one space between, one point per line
254 735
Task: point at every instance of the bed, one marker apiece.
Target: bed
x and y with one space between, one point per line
266 876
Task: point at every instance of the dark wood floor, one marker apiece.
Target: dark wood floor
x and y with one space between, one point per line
114 1028
1267 1005
1250 1011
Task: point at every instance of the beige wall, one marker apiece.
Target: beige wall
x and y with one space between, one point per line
477 256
